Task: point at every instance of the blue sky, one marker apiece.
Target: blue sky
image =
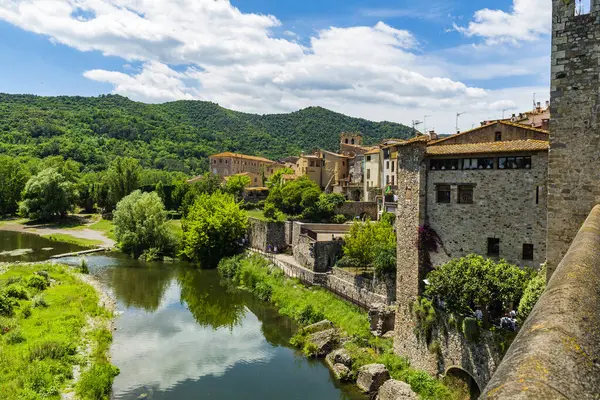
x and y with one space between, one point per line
381 59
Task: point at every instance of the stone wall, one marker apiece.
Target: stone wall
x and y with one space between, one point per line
353 209
574 176
261 234
509 205
317 256
381 287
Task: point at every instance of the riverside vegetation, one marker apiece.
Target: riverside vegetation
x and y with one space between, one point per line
307 305
50 321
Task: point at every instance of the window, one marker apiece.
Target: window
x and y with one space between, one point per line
387 165
443 194
441 165
465 194
368 158
393 178
478 163
220 161
346 141
514 163
312 163
352 141
583 7
214 161
498 137
387 180
368 174
493 247
527 252
392 166
538 191
343 163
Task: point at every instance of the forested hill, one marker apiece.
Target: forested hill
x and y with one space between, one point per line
175 136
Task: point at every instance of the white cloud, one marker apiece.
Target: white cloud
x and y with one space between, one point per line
210 50
527 21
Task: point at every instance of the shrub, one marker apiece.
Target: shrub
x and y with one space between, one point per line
426 317
6 305
308 315
7 325
263 291
140 223
531 295
152 254
39 301
15 337
96 383
435 347
83 266
37 282
228 267
26 311
51 349
17 292
371 245
339 219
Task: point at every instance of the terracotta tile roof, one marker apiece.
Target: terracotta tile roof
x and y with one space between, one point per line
489 147
487 125
374 151
241 156
416 139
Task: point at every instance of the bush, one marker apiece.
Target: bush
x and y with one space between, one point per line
140 223
39 301
371 245
17 292
37 282
426 317
51 349
26 311
339 219
228 267
83 266
213 228
7 325
263 291
531 295
47 195
15 337
96 383
308 315
6 305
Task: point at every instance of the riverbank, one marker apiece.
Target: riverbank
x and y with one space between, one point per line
55 331
87 231
309 305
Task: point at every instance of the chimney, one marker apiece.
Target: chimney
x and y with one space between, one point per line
433 135
546 124
539 106
547 103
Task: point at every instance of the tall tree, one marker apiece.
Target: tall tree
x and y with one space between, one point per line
122 178
48 195
13 177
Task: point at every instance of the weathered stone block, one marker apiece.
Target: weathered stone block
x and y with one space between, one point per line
324 341
371 377
341 372
340 356
396 390
319 326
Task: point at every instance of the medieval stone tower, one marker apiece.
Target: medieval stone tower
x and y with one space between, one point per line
351 138
574 159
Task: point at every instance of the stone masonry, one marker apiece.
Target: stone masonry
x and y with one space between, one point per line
574 128
509 205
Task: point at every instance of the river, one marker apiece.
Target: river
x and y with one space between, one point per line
183 333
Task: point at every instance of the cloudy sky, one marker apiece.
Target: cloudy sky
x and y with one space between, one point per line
396 60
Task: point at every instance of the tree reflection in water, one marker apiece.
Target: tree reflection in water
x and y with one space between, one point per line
141 287
210 303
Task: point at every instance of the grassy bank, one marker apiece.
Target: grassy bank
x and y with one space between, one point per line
51 323
66 238
310 305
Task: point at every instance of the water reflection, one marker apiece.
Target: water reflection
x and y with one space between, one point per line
27 247
141 287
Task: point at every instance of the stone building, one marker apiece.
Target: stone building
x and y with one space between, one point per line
257 168
372 175
310 165
575 125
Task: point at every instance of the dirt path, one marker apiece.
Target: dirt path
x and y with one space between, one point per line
42 230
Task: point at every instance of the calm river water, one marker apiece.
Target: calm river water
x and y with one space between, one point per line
183 334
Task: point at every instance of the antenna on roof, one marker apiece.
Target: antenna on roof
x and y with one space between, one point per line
458 116
425 123
416 123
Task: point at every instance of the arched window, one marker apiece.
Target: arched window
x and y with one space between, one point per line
346 141
352 141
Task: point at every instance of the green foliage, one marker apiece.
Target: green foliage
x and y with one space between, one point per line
293 197
473 280
83 266
47 195
13 177
236 184
37 347
39 301
371 245
140 222
339 219
6 305
276 180
17 292
325 206
121 178
37 281
532 294
96 383
176 136
185 193
425 316
471 330
213 227
435 347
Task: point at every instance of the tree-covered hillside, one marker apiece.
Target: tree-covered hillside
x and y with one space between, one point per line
175 136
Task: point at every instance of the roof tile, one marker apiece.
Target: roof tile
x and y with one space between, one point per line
489 147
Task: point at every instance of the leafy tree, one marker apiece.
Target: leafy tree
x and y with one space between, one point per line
92 191
213 227
141 226
122 178
276 180
47 195
13 177
324 207
371 244
295 196
532 294
476 281
236 184
186 193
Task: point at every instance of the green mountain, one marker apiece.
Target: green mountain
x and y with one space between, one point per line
176 136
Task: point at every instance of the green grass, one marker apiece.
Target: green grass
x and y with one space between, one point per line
38 346
104 226
258 214
65 238
309 305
